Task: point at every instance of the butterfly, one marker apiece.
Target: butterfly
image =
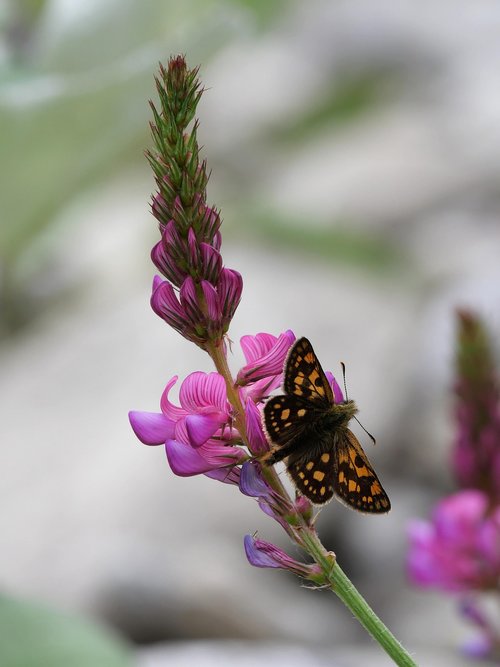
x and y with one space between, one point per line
310 430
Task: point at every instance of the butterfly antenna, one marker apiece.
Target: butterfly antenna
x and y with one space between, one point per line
345 384
347 398
367 432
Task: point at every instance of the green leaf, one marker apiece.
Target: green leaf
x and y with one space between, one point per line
337 243
32 635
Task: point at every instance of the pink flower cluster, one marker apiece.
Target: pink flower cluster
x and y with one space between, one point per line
459 549
199 435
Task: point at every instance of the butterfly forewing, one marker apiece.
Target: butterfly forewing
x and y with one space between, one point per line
285 418
355 481
304 376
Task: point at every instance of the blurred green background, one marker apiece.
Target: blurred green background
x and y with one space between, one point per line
355 156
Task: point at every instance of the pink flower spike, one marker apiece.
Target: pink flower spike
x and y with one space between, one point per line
265 355
152 428
201 427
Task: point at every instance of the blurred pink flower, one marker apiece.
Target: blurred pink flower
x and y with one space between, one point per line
459 549
476 452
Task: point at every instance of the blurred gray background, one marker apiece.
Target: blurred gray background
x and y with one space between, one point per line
354 150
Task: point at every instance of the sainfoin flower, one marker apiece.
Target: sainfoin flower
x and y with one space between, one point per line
197 434
476 451
264 554
200 435
459 549
199 296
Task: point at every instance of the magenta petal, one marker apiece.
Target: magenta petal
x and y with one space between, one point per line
157 281
169 409
267 354
203 390
265 554
256 438
229 289
257 556
260 390
189 300
211 262
201 427
212 301
186 461
152 428
338 396
225 475
171 238
220 454
165 263
251 481
165 304
255 347
194 248
458 516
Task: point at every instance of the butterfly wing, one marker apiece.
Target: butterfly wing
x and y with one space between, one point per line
304 376
355 481
313 473
285 418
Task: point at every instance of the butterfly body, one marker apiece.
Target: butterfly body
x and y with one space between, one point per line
310 430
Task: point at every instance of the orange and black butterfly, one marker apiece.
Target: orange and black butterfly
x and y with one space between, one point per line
309 430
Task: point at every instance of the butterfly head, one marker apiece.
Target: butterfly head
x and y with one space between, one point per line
342 413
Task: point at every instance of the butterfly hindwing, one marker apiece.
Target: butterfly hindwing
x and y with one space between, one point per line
355 481
304 376
313 474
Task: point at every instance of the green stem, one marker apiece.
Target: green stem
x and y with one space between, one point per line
307 538
220 361
350 596
219 358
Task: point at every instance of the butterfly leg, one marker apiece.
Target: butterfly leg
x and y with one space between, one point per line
278 453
